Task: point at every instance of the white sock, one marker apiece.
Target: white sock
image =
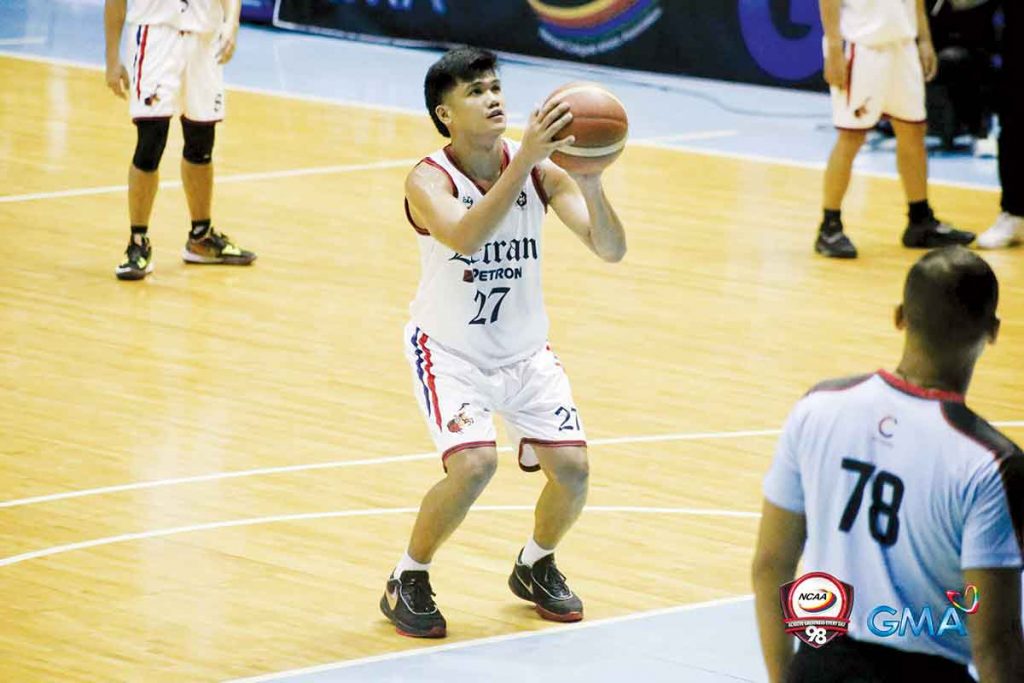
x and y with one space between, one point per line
533 552
407 564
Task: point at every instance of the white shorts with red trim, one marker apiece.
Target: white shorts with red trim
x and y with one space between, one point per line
459 400
175 72
882 80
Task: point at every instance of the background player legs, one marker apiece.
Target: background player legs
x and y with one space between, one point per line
198 182
142 187
564 495
446 504
840 167
912 159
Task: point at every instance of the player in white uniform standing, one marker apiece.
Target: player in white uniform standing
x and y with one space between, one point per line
179 48
900 490
878 54
477 342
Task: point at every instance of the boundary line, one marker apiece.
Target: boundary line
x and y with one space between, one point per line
552 630
335 464
371 512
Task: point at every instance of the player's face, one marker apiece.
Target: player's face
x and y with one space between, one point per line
478 106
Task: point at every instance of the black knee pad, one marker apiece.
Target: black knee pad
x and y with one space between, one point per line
150 143
198 141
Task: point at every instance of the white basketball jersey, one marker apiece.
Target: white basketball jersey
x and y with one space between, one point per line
200 16
903 488
874 22
487 306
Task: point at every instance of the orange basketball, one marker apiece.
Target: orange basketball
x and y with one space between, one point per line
599 123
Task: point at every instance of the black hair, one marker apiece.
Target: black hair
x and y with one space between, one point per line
459 64
950 299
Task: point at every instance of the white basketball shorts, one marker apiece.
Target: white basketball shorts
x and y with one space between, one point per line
459 400
882 80
175 72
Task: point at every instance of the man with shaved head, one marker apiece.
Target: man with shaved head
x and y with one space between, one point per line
890 483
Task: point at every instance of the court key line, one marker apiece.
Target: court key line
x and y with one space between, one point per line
476 642
664 143
252 521
383 460
229 178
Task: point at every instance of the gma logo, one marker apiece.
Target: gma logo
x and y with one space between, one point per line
882 623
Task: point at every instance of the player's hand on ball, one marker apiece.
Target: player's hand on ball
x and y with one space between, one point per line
544 124
117 80
835 66
929 60
227 39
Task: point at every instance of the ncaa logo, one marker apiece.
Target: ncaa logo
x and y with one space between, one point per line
816 607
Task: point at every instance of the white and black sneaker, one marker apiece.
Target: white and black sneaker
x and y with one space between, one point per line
833 242
544 586
408 603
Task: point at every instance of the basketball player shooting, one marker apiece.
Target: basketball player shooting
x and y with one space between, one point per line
477 340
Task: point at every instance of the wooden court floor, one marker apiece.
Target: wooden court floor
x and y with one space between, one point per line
717 321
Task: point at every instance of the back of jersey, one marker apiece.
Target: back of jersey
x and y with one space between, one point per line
903 488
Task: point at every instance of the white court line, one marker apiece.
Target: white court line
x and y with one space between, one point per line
476 642
24 40
252 521
232 178
657 142
686 137
692 436
384 460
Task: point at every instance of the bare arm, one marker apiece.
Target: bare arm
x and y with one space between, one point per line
925 48
435 209
581 204
113 23
835 58
996 640
229 31
780 542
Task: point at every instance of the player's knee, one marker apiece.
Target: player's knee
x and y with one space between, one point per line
474 467
851 140
572 468
198 141
151 138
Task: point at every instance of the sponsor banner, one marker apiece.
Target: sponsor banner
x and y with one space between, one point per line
771 42
258 11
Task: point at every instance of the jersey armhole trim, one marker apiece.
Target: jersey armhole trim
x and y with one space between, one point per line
539 187
451 181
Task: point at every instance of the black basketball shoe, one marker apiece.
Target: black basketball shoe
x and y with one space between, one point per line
408 603
833 242
138 260
931 233
544 586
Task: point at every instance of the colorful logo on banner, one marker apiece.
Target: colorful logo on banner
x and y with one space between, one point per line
816 607
791 51
593 27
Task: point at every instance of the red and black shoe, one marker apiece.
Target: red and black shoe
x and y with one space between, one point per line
408 603
544 586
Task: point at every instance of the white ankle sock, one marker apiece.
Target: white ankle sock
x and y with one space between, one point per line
407 564
533 552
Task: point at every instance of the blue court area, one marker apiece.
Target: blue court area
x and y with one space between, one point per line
687 113
712 643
